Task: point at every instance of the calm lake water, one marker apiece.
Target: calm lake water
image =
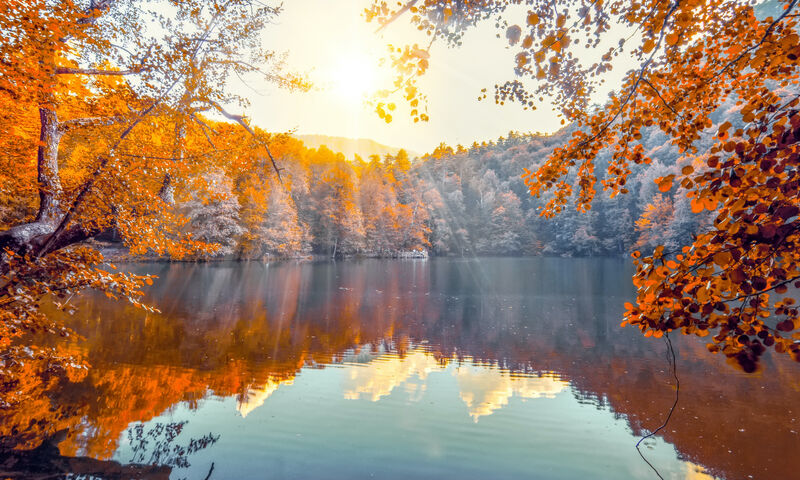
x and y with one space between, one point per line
396 369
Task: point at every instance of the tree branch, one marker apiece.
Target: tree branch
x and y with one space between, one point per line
635 86
397 15
203 127
240 120
68 125
771 26
646 81
95 71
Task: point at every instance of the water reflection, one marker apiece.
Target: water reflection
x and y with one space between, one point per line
384 373
256 396
485 390
528 349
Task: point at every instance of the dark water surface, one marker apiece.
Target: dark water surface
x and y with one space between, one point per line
396 369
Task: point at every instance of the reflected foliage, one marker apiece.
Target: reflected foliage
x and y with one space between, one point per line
46 462
245 330
154 445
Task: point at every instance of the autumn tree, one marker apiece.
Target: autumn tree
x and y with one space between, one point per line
691 58
213 213
339 225
105 106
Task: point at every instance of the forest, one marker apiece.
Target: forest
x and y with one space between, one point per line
454 201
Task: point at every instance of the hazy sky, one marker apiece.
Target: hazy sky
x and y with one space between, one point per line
322 37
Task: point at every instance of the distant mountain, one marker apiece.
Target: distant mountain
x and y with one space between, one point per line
362 147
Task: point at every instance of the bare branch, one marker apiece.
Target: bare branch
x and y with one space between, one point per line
203 128
140 68
646 81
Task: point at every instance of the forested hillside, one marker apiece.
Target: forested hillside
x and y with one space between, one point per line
453 201
480 205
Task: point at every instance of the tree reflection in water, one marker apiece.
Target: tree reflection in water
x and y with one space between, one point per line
244 330
155 453
155 445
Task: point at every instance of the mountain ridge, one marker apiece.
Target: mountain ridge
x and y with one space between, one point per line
363 147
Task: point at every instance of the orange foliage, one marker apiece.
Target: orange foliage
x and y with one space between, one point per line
692 57
102 108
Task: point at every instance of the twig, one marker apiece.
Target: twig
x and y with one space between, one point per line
763 39
210 471
671 359
241 121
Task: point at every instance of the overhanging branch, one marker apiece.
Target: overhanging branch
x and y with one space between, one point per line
240 120
68 125
95 71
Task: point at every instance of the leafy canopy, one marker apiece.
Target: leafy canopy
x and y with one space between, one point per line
104 105
692 57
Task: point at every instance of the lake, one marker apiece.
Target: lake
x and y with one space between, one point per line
495 368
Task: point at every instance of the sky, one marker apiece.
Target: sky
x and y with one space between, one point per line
327 38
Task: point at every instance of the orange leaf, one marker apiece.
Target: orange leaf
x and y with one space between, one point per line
722 258
665 183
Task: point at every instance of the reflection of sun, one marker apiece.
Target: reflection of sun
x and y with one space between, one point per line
354 77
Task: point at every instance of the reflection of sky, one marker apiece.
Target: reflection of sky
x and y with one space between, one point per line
486 389
379 377
392 416
483 388
389 416
696 472
255 397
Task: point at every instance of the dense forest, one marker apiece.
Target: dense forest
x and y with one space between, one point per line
453 201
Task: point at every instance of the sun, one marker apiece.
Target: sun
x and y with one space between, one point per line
354 77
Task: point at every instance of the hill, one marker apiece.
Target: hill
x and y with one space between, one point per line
350 147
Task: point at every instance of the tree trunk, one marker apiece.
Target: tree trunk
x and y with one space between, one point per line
33 237
167 191
23 238
47 167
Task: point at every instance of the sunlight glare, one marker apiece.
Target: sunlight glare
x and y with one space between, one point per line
354 77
